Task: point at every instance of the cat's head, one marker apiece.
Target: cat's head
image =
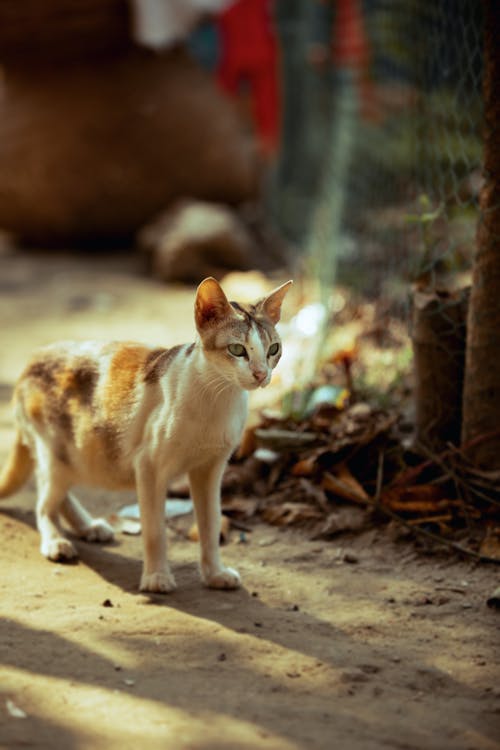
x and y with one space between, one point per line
241 341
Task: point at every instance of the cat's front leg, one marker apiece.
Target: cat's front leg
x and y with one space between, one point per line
156 574
205 490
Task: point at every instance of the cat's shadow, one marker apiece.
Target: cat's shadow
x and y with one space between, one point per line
240 610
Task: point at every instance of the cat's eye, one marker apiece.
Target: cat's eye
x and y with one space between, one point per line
237 350
273 349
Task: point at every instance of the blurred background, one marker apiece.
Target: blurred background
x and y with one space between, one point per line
153 142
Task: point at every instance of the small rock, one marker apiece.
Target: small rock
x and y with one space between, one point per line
422 601
494 600
107 603
222 657
369 668
350 557
353 675
442 600
15 711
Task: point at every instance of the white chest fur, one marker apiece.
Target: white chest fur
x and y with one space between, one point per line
200 420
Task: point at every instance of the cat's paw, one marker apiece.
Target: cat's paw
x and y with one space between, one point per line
222 578
158 583
98 531
58 550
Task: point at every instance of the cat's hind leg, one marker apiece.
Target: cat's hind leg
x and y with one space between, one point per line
51 494
83 524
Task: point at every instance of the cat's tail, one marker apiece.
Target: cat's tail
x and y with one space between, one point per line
17 469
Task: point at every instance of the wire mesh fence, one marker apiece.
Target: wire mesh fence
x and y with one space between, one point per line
396 125
380 169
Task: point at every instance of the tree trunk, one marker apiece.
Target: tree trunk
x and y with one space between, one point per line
438 333
481 403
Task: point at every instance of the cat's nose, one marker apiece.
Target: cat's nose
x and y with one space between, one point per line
259 375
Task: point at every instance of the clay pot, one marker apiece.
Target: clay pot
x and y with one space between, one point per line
91 149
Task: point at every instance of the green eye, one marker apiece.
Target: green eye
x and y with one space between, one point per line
237 350
273 349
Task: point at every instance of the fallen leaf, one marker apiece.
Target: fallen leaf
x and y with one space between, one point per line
194 535
290 514
248 443
240 507
490 546
420 499
284 440
348 519
344 485
304 467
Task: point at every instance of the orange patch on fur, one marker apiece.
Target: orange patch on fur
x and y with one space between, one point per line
124 370
34 405
65 379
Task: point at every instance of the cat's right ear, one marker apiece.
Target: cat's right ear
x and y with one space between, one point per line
211 303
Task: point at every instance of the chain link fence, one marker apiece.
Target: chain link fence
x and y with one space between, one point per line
378 181
381 161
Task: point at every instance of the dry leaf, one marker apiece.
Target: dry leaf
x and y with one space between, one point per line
344 485
248 444
348 519
240 507
290 514
305 467
423 498
284 440
315 493
490 546
194 535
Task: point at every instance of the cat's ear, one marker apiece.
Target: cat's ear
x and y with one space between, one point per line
271 305
211 303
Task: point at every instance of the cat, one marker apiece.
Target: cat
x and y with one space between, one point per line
123 415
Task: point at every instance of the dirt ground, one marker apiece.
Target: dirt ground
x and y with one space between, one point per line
357 644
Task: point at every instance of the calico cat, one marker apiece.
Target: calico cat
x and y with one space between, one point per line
123 415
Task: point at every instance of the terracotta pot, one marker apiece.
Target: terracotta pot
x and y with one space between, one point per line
93 149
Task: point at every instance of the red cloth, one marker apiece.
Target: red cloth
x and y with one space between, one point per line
350 45
249 55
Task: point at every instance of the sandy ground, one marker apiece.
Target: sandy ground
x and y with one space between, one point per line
377 648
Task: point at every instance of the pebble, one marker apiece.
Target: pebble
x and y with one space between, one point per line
350 557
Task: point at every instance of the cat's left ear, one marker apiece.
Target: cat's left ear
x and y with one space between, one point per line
211 303
271 305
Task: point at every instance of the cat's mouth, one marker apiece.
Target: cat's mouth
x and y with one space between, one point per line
255 386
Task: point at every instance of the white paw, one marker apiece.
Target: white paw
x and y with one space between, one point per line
223 578
158 583
98 531
58 550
